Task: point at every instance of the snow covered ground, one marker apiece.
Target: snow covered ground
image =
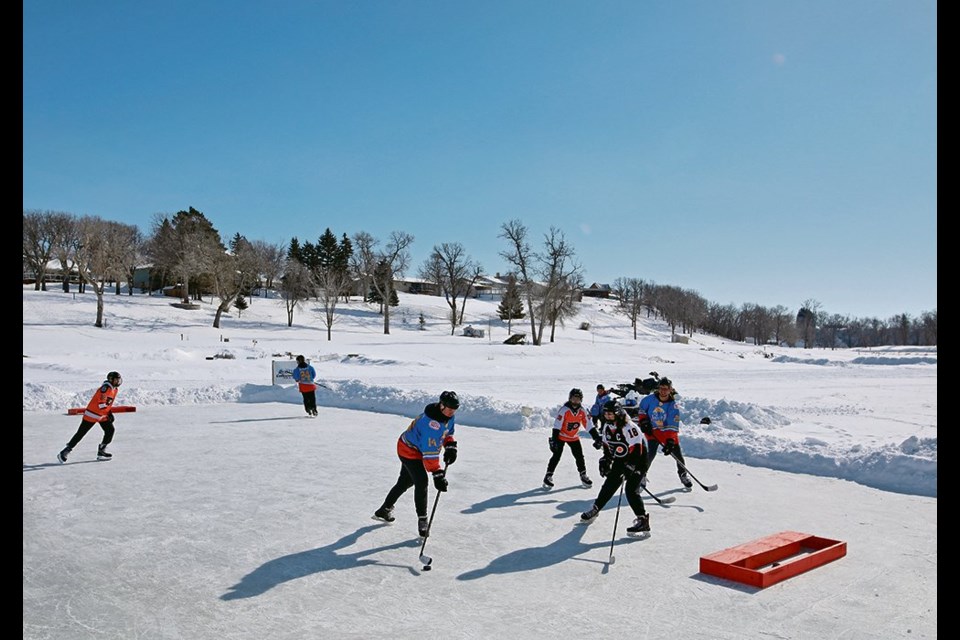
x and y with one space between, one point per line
227 513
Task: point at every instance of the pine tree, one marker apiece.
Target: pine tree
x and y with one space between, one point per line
241 304
511 306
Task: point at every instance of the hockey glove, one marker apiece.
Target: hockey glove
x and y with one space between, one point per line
645 427
669 447
450 453
439 481
605 464
553 442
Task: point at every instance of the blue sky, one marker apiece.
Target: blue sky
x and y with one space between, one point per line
751 151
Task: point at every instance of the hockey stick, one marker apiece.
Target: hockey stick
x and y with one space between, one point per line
615 520
663 502
712 487
426 560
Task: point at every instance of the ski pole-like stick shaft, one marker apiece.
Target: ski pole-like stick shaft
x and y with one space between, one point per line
427 560
615 520
712 487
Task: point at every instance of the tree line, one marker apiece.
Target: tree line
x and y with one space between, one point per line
545 280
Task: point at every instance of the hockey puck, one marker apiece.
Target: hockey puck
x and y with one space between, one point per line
427 567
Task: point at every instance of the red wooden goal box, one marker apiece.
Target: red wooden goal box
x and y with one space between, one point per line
766 561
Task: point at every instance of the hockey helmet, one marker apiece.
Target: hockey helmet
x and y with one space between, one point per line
450 399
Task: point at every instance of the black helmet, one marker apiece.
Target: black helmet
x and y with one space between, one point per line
575 392
611 405
114 375
450 399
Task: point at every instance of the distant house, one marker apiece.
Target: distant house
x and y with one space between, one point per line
489 286
597 290
416 286
53 274
484 286
141 277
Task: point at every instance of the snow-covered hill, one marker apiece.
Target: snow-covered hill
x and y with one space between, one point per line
849 414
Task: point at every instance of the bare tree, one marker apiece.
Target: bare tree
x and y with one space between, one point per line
97 245
454 272
234 272
560 277
522 257
563 304
295 286
272 260
781 320
901 324
363 259
65 228
40 237
129 256
330 284
832 326
629 292
928 327
381 267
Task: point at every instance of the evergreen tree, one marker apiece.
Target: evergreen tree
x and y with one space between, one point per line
511 306
241 304
327 250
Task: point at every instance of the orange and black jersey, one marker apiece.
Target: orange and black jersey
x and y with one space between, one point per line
99 406
569 421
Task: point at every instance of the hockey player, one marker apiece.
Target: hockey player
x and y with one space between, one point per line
624 460
659 419
305 375
603 395
97 412
571 418
419 451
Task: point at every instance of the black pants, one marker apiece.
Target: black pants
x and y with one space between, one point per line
86 425
653 447
619 474
575 447
412 474
309 401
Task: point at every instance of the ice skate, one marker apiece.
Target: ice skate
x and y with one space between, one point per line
384 514
585 481
640 526
589 516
